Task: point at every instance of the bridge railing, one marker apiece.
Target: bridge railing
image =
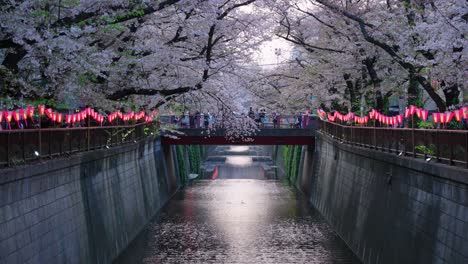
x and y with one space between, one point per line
24 145
283 121
449 146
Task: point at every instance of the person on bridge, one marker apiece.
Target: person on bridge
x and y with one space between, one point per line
251 113
275 118
206 121
299 120
262 116
211 120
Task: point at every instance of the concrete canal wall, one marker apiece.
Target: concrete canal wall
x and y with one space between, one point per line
85 208
389 209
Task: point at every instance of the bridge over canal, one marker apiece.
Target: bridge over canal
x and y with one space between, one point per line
265 136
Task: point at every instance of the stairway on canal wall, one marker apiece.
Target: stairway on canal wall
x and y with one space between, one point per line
389 209
85 208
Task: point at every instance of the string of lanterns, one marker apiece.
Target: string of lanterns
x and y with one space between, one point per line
27 114
411 111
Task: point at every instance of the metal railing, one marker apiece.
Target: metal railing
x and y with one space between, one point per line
448 146
282 121
24 145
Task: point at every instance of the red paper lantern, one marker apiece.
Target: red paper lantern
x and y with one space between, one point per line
73 118
424 114
448 117
400 119
1 117
464 112
41 109
412 109
418 112
458 114
8 116
16 116
23 114
407 112
30 111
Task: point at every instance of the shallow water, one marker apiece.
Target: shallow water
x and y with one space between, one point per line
238 221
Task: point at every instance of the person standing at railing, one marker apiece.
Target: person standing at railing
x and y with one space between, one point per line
205 120
262 116
274 117
251 113
211 120
299 120
191 120
184 121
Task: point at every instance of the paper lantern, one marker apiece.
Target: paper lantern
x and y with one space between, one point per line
23 114
442 118
400 119
1 117
464 112
407 112
458 115
448 117
424 114
73 118
30 111
418 112
41 109
16 116
413 109
436 117
8 116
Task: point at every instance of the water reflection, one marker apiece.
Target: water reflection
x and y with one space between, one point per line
239 148
238 221
239 161
238 218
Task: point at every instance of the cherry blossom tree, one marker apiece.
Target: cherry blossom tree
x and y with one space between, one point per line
375 48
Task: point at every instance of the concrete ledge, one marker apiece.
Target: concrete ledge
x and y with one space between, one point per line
390 209
439 170
46 165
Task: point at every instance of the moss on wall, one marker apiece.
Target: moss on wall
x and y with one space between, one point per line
291 160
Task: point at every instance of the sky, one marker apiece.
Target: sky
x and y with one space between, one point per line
266 54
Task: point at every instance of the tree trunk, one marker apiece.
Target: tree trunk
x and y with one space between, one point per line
451 92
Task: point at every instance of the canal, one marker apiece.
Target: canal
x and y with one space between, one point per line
239 216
